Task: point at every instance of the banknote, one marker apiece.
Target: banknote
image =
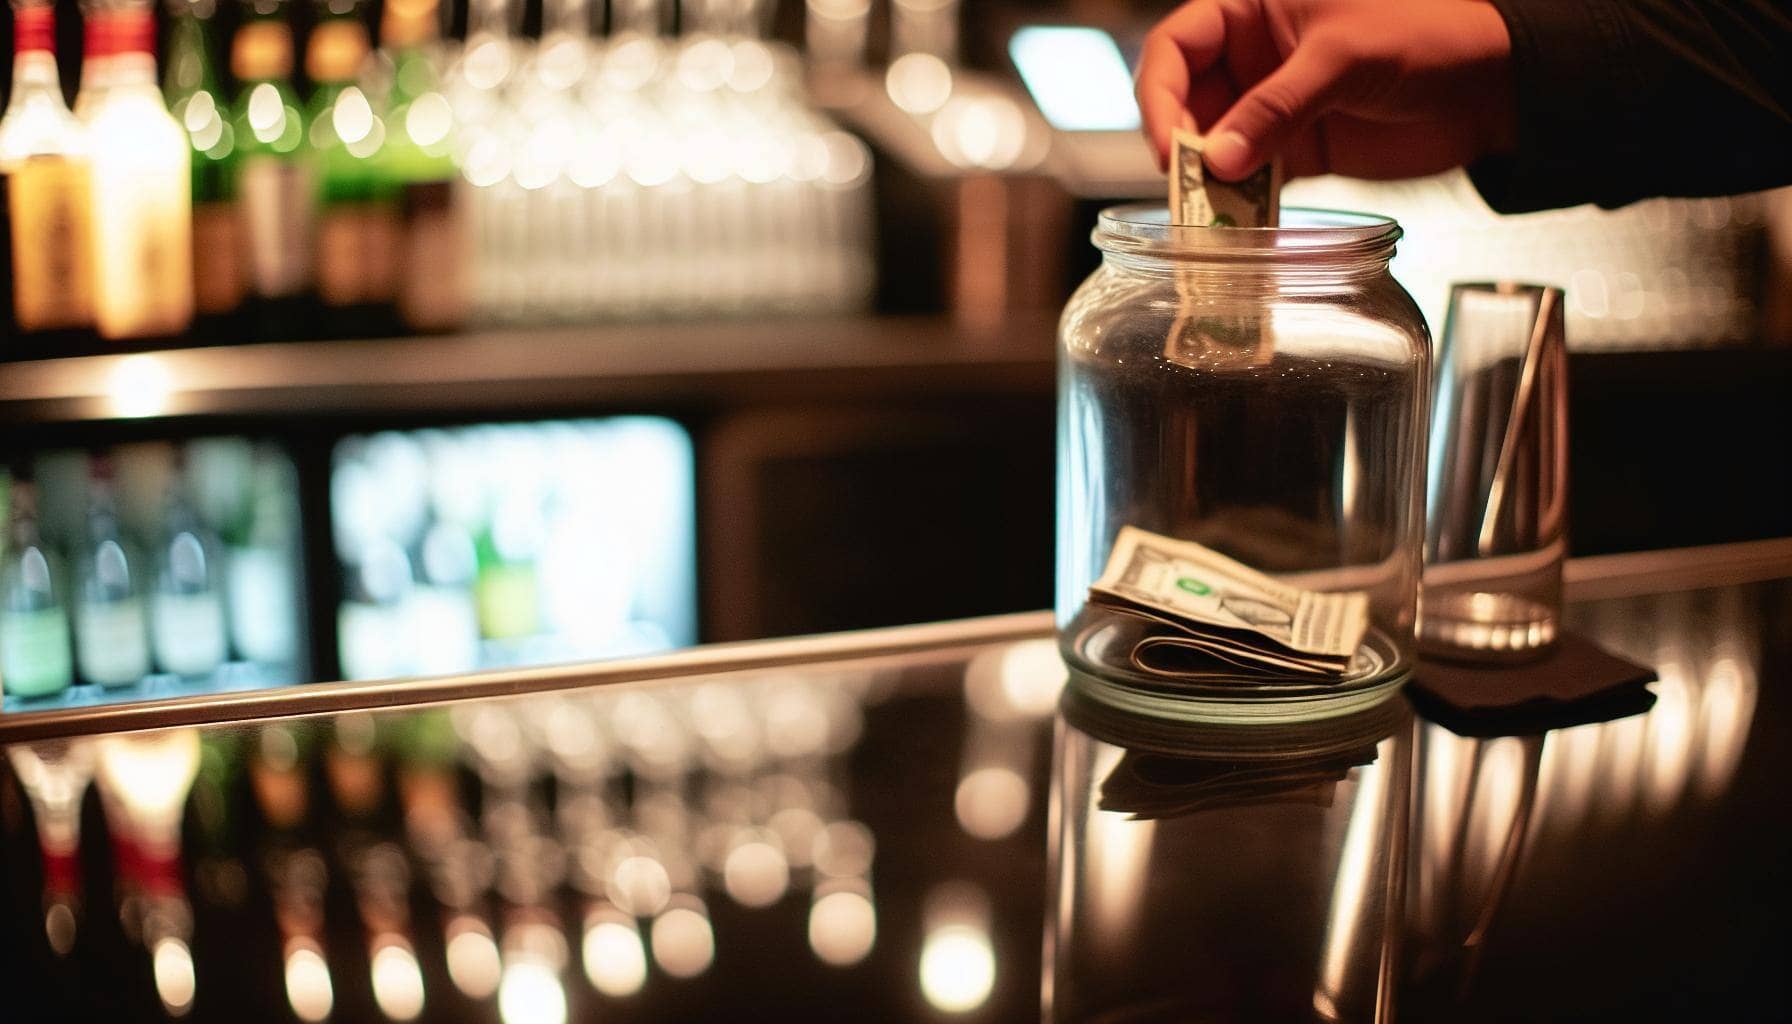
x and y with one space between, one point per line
1229 614
1199 200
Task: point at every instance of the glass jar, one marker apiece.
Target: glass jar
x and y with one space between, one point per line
1262 393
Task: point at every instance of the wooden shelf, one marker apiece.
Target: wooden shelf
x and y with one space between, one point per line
605 366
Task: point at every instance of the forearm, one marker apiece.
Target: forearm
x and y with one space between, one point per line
1618 100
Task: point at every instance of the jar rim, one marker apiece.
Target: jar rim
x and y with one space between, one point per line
1144 229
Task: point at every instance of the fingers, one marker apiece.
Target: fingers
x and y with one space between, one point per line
1268 116
1175 52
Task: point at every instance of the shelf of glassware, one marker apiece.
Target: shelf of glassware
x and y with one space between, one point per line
559 368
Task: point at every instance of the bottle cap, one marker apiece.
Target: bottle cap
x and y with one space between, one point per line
34 28
131 31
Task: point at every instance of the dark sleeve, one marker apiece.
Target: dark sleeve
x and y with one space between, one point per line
1620 100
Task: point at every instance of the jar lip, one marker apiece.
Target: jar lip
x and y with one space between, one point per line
1144 229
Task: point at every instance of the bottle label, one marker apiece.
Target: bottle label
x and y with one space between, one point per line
112 643
35 659
357 253
277 203
188 631
52 267
218 283
432 293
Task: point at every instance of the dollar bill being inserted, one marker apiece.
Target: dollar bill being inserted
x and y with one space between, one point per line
1223 616
1197 200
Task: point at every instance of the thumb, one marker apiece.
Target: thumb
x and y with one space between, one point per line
1263 120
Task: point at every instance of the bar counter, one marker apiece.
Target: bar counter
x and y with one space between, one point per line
873 826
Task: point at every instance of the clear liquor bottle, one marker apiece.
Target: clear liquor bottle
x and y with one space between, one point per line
111 628
46 265
263 567
190 86
274 171
187 610
35 658
358 229
142 190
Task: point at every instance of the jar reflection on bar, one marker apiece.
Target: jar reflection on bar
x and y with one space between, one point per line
1225 872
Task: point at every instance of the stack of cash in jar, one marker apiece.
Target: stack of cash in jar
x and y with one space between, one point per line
1202 617
1199 201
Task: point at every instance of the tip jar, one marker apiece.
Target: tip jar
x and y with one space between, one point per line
1242 418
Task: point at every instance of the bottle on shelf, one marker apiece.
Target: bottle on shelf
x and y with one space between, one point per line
46 273
111 629
35 657
187 610
418 162
263 567
142 211
97 51
190 85
357 227
274 185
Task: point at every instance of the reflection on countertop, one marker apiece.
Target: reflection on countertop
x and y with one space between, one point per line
890 840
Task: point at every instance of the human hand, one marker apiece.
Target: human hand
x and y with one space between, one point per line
1367 88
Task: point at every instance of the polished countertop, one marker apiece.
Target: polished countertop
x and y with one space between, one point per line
915 824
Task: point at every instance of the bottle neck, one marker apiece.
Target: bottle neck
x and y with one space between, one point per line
34 74
122 46
34 49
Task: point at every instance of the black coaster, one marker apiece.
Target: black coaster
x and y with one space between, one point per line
1575 684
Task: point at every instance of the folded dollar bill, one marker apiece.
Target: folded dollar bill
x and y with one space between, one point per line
1197 200
1193 613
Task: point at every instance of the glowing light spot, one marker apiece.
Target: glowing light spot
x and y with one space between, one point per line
640 885
756 873
473 963
684 944
843 926
958 968
140 386
351 115
991 802
919 83
982 131
397 982
175 982
531 993
308 988
429 120
267 112
615 963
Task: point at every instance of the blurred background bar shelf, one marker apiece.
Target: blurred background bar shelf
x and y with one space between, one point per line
514 371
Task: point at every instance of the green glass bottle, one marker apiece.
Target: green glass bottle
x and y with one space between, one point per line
190 86
274 173
357 205
418 162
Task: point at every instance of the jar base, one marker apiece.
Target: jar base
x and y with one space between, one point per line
1113 682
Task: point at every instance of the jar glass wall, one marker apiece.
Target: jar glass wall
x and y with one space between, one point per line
1261 392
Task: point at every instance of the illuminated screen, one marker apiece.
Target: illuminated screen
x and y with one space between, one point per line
1076 76
508 545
